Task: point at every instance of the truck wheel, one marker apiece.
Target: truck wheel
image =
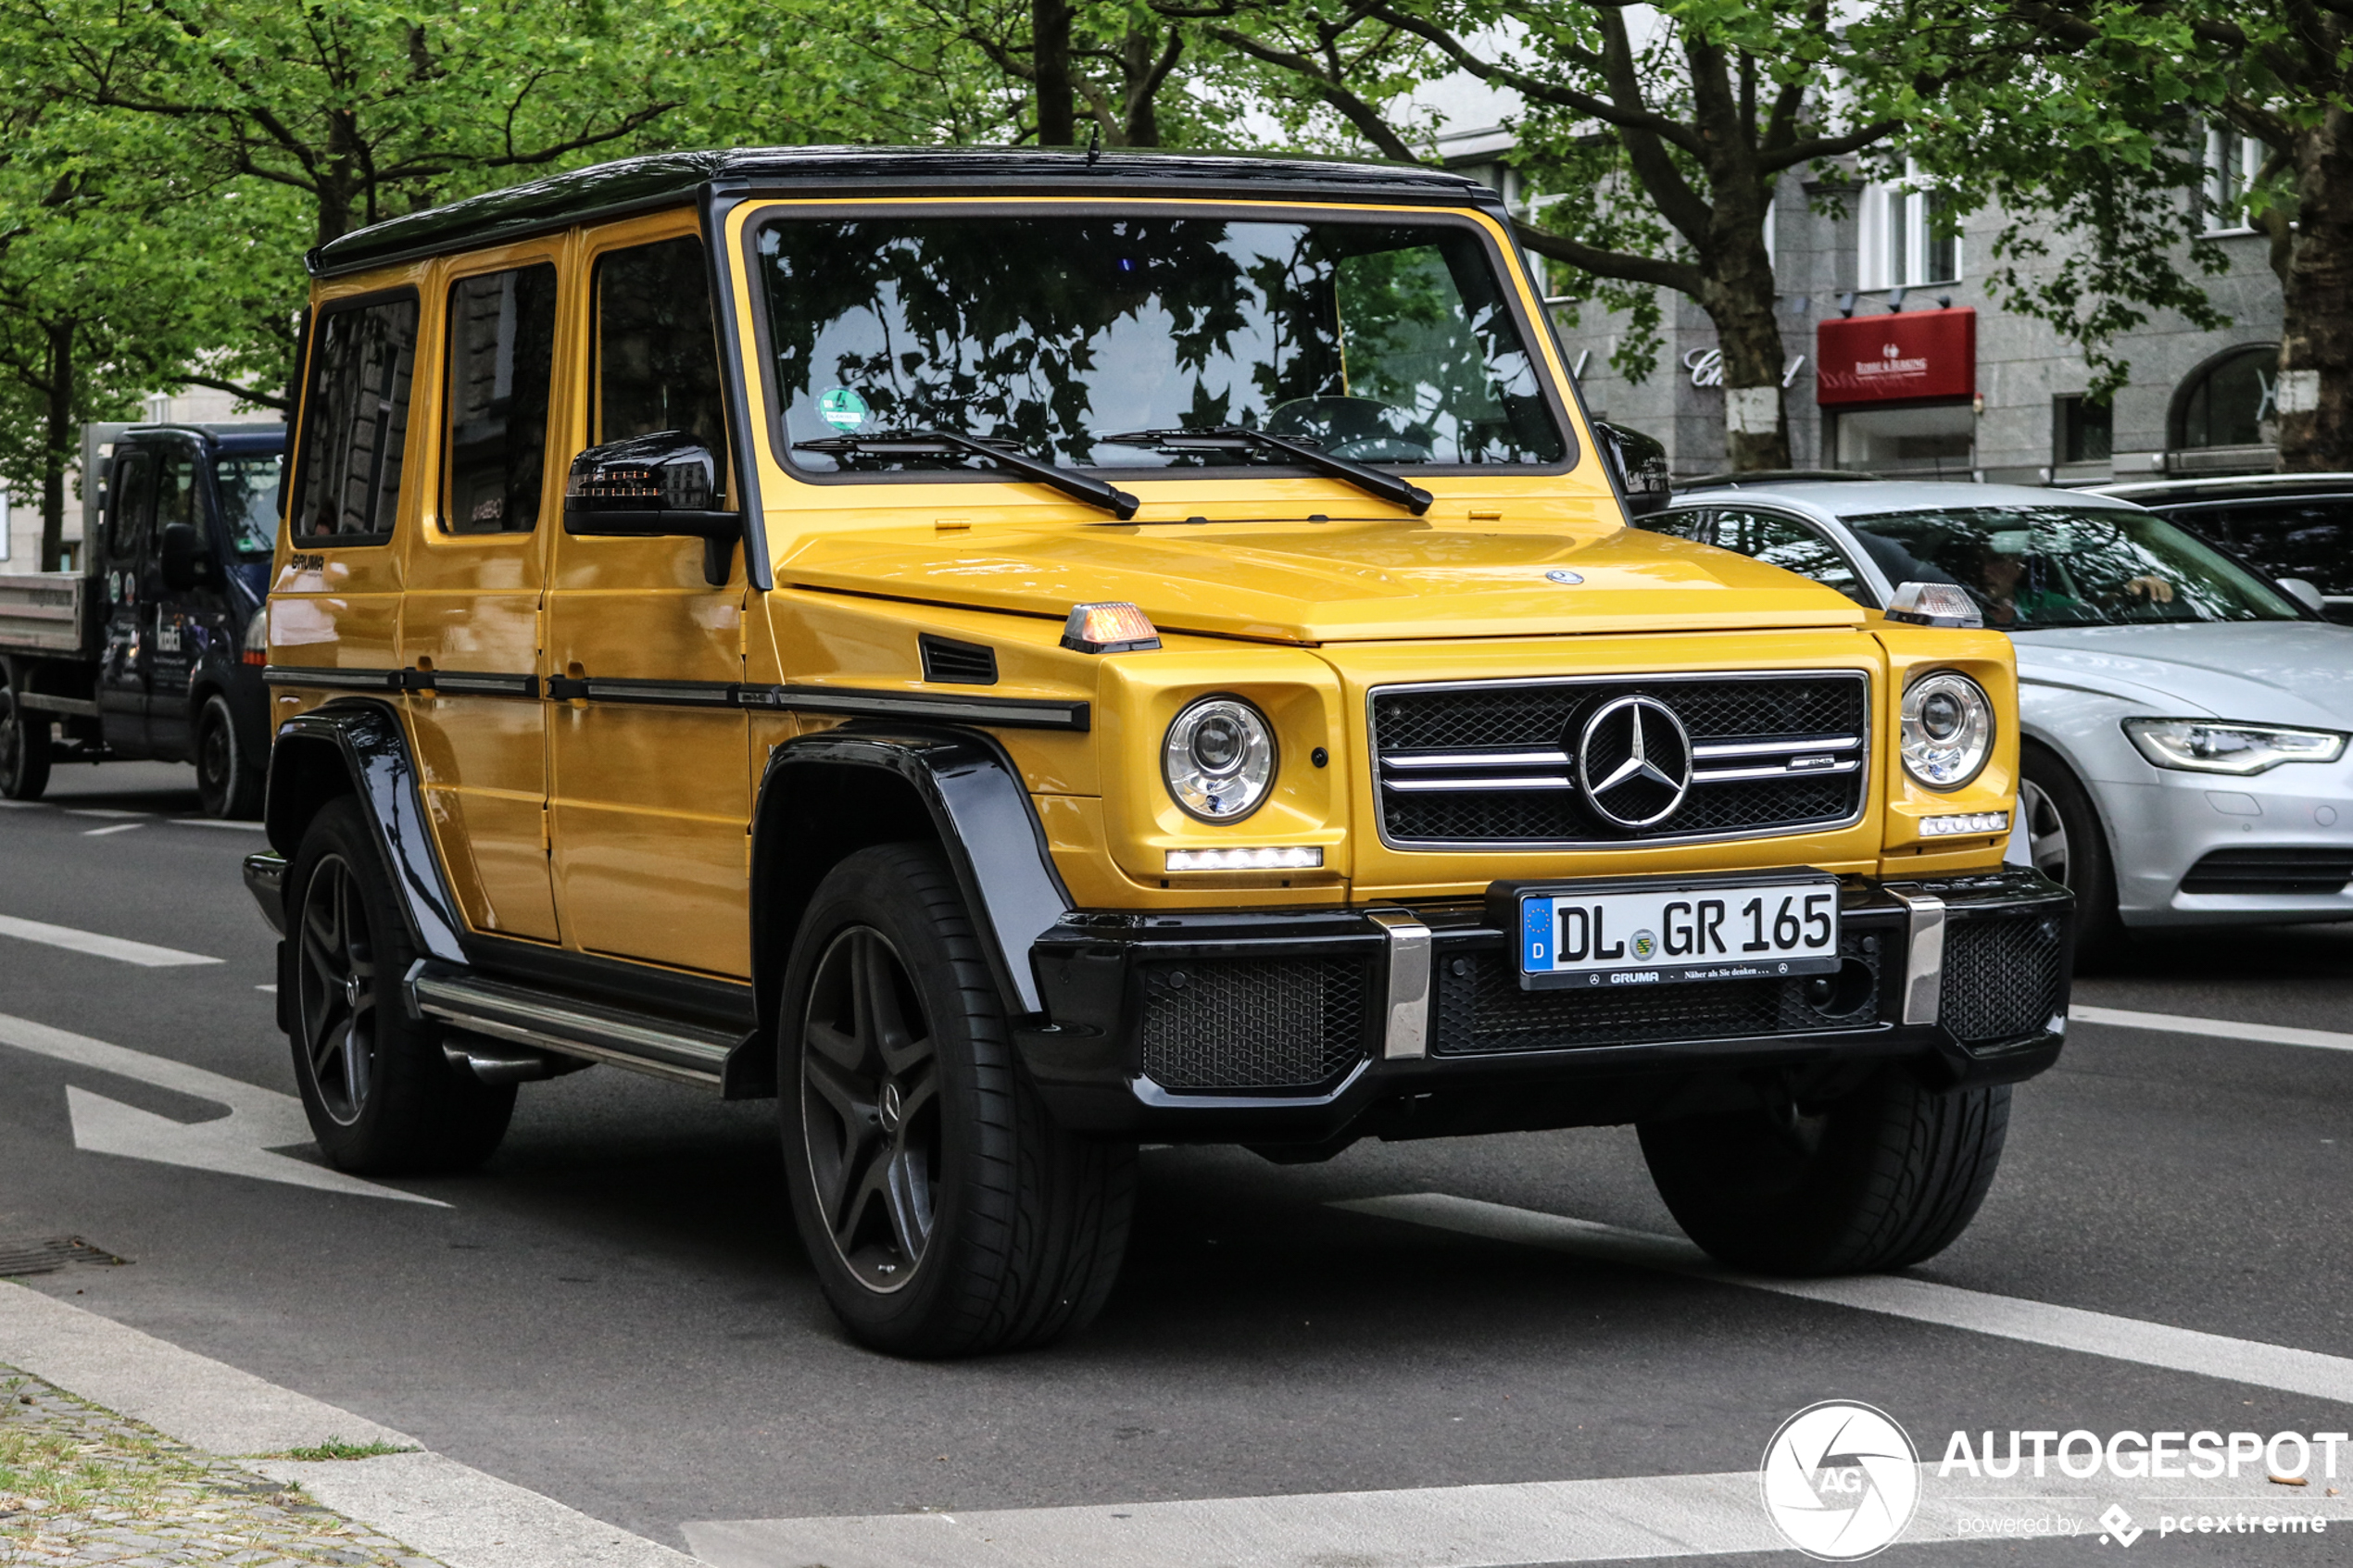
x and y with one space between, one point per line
229 784
1882 1178
2064 836
381 1098
24 750
943 1211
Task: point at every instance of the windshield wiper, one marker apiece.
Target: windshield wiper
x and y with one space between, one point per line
943 442
1240 438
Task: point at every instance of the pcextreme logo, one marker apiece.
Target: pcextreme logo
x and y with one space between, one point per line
1841 1480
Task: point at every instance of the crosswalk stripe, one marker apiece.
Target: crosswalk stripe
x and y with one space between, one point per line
145 955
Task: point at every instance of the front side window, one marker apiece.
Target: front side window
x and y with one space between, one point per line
1384 342
355 422
657 353
176 490
248 488
130 507
2030 568
1789 544
502 356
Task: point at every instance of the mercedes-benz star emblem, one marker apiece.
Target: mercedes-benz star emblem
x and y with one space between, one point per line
1634 759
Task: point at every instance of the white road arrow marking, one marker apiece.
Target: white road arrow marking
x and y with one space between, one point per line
238 1144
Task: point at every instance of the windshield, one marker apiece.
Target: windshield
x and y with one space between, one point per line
247 486
2030 567
1383 343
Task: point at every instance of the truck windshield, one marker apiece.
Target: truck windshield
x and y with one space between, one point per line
1382 343
2034 567
247 488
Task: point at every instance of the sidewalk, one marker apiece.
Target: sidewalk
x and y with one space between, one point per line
82 1485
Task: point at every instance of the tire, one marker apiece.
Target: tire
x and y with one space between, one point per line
229 784
381 1098
2068 846
1882 1178
24 750
944 1213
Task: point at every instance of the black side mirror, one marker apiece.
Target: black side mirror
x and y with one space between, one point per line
1638 464
181 556
663 485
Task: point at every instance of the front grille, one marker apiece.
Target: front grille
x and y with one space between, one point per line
1251 1025
1495 763
1481 1009
2002 977
2272 871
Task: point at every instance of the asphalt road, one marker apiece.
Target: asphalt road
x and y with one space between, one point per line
614 1313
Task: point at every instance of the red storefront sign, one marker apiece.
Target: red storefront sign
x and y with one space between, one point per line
1905 357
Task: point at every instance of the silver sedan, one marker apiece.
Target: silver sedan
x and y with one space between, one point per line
2185 718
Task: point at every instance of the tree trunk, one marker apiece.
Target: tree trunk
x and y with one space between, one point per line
58 449
2314 397
1050 58
1739 298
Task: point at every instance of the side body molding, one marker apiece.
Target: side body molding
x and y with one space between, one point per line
364 741
974 796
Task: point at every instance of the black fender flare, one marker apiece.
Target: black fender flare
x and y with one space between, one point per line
361 745
975 804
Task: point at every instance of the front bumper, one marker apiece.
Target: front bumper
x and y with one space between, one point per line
1310 1027
2208 850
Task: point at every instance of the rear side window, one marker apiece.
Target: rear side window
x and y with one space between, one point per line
657 355
502 356
2312 538
355 423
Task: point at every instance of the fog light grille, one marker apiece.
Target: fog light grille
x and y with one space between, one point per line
2002 977
1253 1025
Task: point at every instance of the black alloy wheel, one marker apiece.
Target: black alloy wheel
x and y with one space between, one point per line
336 990
870 1108
229 785
24 750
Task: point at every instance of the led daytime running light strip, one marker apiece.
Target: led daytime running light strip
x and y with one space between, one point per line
1291 857
1968 822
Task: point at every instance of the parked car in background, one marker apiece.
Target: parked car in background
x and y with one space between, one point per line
154 648
2185 717
2296 526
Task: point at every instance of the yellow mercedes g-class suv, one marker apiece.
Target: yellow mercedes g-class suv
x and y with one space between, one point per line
1017 654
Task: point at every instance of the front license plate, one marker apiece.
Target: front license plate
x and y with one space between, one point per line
1666 932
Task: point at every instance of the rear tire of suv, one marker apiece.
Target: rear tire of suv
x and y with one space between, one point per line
382 1097
1884 1177
944 1212
2068 846
229 784
24 750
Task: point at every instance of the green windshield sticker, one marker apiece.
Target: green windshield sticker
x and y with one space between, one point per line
842 409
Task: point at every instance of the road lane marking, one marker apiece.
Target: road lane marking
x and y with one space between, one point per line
217 823
428 1502
99 811
2219 1028
2034 1323
238 1144
145 955
121 827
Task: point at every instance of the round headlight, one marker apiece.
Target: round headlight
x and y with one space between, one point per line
1219 759
1948 730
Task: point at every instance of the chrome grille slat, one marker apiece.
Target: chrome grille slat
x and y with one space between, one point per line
1789 753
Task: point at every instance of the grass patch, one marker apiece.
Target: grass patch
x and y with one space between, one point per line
335 1448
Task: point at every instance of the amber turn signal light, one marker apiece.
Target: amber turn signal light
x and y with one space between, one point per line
1108 628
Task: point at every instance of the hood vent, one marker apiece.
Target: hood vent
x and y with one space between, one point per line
953 663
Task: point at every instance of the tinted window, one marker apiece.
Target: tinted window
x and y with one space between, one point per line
2312 539
1383 343
503 355
355 422
2030 567
247 488
130 507
176 490
657 354
1682 525
1789 544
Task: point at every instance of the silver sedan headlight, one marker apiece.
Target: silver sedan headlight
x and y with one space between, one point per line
2215 745
1219 759
1947 723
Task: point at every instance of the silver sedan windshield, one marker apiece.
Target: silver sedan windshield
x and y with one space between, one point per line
2030 567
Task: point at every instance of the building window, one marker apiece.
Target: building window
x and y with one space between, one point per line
1938 441
1901 247
2232 162
2082 432
2228 400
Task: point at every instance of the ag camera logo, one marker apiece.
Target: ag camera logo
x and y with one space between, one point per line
1841 1480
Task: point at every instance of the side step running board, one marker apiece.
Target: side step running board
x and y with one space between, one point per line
665 1048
